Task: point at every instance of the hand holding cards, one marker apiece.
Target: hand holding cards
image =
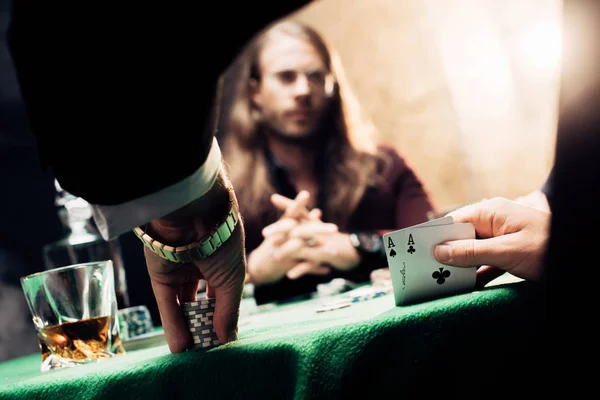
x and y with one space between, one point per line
416 274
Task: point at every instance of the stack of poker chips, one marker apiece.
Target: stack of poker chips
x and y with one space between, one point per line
199 318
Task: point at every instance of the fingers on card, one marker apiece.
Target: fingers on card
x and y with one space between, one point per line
416 275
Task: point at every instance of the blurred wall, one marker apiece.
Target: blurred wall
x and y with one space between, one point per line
466 89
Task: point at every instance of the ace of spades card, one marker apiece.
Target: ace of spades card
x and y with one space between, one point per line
416 274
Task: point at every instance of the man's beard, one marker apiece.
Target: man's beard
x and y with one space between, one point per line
309 140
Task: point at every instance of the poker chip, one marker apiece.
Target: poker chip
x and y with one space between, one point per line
331 307
199 319
134 321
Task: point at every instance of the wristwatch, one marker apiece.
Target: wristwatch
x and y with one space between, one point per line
366 242
197 250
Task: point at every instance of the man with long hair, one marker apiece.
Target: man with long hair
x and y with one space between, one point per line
296 141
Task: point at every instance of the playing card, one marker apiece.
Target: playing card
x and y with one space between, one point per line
434 222
416 274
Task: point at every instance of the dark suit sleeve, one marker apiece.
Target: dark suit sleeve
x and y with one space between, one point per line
119 98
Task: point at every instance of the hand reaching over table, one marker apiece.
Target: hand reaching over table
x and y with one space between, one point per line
512 237
177 283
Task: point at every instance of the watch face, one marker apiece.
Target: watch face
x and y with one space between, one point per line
369 242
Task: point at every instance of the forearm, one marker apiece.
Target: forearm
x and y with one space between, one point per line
97 91
113 220
196 219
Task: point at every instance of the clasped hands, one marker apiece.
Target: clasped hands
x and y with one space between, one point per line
299 243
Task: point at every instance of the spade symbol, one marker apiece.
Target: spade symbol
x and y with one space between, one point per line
393 253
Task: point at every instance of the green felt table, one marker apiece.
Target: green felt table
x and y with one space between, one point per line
463 345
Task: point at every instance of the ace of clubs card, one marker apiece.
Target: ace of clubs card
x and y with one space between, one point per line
416 274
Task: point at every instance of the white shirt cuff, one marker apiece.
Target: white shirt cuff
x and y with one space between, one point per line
115 220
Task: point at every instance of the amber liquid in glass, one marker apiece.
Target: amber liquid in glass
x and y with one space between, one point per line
79 341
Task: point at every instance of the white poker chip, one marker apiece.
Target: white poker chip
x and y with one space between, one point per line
332 307
200 303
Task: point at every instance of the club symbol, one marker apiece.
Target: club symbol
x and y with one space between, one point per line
410 250
440 276
393 253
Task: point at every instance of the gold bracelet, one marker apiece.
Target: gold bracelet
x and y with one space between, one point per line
197 250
